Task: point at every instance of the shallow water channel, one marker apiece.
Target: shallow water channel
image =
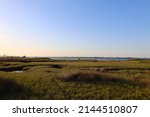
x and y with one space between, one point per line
17 71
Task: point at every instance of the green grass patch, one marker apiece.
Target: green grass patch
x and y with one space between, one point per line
75 80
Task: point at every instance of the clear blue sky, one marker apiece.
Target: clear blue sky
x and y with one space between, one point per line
75 28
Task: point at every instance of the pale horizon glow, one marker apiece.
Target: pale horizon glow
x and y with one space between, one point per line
85 28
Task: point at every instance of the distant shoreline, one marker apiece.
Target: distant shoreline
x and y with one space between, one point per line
98 58
46 59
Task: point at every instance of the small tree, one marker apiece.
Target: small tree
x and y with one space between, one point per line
24 56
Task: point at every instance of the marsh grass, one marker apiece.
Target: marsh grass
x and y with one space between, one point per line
68 80
86 77
10 89
56 66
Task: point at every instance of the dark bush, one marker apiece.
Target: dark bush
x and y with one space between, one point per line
9 88
56 66
86 77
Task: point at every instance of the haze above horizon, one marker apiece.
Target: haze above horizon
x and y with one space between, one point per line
103 28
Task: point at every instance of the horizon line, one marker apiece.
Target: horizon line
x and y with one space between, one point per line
75 56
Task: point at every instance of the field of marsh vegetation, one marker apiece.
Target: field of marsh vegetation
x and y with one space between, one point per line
65 80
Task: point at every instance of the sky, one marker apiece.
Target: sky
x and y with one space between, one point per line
96 28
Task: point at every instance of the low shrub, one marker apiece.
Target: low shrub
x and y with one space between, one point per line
9 87
86 77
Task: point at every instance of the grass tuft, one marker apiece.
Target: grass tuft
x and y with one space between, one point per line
86 77
9 88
